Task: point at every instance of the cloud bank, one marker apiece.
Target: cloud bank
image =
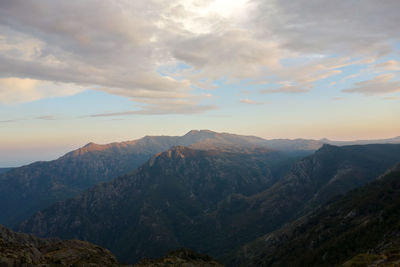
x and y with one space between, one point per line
57 48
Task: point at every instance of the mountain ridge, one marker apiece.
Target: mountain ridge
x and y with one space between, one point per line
212 202
40 184
278 144
171 191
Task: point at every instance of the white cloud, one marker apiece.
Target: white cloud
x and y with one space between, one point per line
390 65
17 90
381 84
251 102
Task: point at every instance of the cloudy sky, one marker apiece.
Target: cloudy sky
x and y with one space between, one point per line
95 70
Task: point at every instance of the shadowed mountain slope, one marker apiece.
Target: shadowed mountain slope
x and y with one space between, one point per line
210 201
159 206
360 229
329 172
27 189
3 170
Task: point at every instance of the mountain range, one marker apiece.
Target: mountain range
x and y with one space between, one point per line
158 207
209 200
216 193
29 188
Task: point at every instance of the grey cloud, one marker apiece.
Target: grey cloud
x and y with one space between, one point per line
288 89
381 84
159 110
390 65
10 121
118 46
46 118
323 26
233 53
99 44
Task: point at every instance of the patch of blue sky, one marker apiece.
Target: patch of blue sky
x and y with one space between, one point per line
69 107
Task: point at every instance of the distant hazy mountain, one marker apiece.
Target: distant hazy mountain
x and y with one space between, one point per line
17 249
27 189
309 144
360 229
211 201
395 140
159 206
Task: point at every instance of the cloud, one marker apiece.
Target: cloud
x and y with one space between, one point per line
234 54
9 121
46 118
381 84
330 27
159 110
351 76
251 102
390 65
69 43
288 89
17 90
391 98
119 47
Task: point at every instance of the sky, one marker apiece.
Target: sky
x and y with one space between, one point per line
73 72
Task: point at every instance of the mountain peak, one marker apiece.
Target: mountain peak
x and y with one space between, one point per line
201 132
89 147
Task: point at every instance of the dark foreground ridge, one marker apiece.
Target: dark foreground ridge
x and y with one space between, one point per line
181 257
18 249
